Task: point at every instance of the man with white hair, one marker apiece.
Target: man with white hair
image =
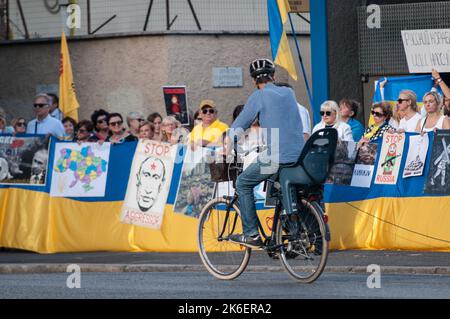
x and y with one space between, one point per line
44 123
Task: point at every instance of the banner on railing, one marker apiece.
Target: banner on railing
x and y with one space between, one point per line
390 159
438 181
196 187
417 155
149 184
365 164
80 170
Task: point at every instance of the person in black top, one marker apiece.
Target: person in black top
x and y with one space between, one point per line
118 134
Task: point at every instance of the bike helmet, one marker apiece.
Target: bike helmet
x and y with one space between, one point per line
262 68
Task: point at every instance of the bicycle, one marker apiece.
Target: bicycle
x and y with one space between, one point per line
303 249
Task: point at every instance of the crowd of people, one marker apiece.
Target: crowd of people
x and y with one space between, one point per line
206 128
403 117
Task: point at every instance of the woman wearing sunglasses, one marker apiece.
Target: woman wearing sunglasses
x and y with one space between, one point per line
99 119
434 120
329 111
382 113
85 132
407 104
118 134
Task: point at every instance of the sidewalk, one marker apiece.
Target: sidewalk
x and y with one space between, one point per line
405 262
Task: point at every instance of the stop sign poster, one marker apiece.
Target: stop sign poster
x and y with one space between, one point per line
390 159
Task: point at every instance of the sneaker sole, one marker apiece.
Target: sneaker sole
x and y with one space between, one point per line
247 245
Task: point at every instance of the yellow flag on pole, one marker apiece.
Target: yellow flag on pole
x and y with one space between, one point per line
67 96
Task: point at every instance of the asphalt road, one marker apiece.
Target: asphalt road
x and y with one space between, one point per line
200 285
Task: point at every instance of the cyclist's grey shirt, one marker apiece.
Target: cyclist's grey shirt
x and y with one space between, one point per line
276 108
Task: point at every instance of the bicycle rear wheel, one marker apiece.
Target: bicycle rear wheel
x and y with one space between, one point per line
304 256
222 258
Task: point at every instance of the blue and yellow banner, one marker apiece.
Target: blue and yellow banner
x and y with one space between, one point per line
397 216
278 11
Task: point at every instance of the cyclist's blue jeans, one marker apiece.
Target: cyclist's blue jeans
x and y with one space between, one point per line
246 182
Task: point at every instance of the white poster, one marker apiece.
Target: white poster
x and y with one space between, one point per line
362 175
80 170
390 159
427 49
417 154
365 165
149 184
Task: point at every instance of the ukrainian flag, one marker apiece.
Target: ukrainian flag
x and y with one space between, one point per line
281 52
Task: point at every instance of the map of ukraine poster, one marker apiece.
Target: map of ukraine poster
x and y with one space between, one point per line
80 170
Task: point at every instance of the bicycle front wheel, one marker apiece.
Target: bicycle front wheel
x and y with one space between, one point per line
304 256
222 258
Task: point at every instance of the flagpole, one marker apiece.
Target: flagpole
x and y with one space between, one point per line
301 62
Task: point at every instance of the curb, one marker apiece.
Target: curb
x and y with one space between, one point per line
111 268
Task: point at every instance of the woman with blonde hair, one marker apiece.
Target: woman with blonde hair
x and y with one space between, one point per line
434 120
329 111
407 104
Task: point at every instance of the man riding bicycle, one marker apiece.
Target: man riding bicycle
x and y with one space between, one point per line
277 111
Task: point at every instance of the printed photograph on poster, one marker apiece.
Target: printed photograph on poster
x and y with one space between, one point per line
365 165
24 160
149 184
417 155
175 100
196 187
390 159
80 170
344 161
438 181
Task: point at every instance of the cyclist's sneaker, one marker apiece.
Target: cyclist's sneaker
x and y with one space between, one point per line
249 241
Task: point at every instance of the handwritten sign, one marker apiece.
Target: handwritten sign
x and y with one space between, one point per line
427 49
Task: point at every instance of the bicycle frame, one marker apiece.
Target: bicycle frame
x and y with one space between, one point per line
268 238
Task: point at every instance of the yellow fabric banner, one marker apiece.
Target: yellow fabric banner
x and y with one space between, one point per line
35 221
68 102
